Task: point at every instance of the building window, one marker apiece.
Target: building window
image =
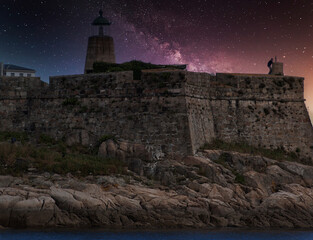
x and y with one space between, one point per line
21 74
12 74
29 75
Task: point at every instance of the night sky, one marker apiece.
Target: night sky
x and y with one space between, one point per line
209 35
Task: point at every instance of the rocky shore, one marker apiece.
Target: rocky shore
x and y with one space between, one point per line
212 189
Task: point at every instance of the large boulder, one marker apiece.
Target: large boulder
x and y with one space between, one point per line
134 154
124 150
299 170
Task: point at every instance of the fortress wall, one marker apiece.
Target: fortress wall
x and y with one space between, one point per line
267 87
103 85
149 111
14 94
20 87
198 84
201 124
21 83
164 83
169 112
264 111
268 124
119 84
142 120
200 116
13 114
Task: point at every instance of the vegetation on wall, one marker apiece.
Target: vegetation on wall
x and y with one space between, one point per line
17 136
49 155
135 66
70 102
242 147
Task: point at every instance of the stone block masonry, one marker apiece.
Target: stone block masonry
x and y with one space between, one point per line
172 112
100 49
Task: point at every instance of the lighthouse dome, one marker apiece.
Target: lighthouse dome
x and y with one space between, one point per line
101 21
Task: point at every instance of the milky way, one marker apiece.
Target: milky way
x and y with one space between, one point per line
208 35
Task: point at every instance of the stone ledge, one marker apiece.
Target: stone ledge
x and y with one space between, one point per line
257 75
173 95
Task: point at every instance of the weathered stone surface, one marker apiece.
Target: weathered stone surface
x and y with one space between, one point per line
65 199
124 150
184 197
6 181
303 171
168 112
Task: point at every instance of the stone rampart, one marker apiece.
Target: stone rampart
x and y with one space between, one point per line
266 87
20 87
15 93
266 111
169 112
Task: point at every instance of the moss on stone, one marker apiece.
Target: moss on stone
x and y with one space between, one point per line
266 111
105 138
239 178
70 102
18 136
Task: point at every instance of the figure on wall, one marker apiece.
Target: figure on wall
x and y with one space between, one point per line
270 64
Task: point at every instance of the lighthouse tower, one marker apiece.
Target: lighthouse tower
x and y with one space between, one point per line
100 47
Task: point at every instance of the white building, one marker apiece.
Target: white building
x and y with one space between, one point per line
10 70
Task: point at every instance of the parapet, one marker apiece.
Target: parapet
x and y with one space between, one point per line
21 87
90 84
168 111
278 68
202 85
262 86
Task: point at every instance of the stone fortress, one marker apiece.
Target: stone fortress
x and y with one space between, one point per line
169 111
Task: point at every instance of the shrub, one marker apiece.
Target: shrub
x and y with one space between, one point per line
83 109
15 159
243 147
45 139
239 178
81 164
224 158
70 102
19 136
105 138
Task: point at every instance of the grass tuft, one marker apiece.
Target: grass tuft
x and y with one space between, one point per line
277 154
17 158
18 136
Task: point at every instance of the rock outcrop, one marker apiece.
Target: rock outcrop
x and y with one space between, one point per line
213 189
